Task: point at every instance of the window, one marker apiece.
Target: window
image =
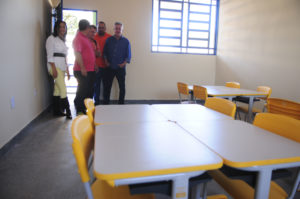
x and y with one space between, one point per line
185 26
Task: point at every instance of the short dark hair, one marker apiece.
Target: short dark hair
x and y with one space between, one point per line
102 22
83 24
93 26
56 28
118 23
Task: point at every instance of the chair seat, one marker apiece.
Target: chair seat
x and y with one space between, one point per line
102 190
250 176
245 109
239 189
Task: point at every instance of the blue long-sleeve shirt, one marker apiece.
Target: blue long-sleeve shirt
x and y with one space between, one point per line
117 51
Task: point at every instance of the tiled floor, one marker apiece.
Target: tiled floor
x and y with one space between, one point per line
41 164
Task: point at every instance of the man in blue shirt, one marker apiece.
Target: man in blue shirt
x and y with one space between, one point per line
117 53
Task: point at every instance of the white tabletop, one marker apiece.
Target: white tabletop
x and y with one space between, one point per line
127 113
228 91
189 112
131 150
241 144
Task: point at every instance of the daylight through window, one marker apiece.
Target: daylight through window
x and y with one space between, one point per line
185 26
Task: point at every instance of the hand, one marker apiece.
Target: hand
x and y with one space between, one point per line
54 73
106 62
123 64
96 69
83 72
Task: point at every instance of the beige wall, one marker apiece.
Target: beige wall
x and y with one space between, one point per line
22 65
259 44
150 75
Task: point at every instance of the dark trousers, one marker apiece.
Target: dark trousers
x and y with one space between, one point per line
120 74
85 89
100 77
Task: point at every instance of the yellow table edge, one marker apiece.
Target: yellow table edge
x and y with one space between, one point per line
260 162
111 177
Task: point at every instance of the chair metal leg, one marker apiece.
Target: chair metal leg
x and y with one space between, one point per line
88 190
296 184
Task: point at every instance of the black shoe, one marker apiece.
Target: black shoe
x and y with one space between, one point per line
66 106
56 107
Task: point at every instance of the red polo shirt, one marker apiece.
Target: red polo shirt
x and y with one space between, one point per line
82 44
101 42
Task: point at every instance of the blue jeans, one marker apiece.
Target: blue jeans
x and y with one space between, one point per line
100 77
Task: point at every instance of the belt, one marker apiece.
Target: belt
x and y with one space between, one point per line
59 55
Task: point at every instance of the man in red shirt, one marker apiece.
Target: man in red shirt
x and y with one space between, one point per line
100 63
84 67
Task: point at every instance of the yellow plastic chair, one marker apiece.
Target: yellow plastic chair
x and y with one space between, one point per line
233 84
83 139
221 105
280 124
284 107
90 110
183 89
244 108
200 93
239 189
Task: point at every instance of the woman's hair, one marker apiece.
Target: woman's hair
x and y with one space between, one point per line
56 29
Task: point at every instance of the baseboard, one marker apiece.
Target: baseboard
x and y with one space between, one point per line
19 137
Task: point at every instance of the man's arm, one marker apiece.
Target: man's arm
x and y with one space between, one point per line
78 59
128 56
104 54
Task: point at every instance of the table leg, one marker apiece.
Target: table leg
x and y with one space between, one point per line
251 99
263 183
180 187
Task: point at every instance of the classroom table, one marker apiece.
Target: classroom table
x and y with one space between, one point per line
127 113
230 93
247 147
148 151
189 112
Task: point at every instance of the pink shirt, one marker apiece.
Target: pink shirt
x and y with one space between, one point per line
82 44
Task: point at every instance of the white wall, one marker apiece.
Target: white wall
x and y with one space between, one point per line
23 71
259 44
150 75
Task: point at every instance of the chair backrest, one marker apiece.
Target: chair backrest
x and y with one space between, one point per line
183 89
284 107
221 105
264 89
83 144
233 84
280 124
200 92
90 106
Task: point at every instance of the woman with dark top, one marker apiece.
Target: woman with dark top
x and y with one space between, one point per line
57 67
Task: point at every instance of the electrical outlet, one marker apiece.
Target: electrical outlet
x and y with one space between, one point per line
12 102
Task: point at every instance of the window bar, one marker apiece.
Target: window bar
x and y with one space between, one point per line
209 26
188 25
216 27
182 7
158 34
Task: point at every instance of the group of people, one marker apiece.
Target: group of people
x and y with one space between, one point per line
99 58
